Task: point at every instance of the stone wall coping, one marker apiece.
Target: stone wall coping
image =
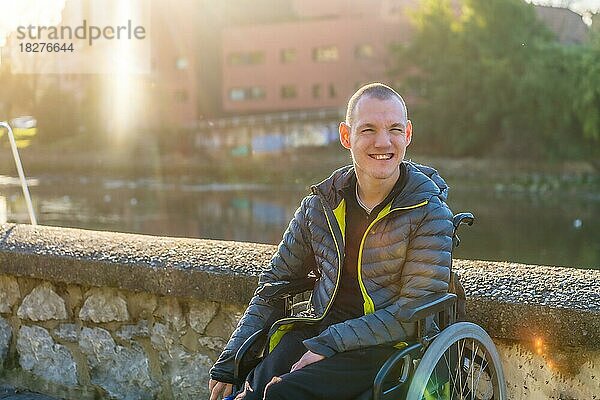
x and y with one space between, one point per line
511 300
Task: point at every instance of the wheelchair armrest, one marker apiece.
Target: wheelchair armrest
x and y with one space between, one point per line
459 219
463 218
421 308
241 365
282 289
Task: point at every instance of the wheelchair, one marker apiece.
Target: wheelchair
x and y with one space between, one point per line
447 359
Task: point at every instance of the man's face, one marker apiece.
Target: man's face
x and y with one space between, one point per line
377 138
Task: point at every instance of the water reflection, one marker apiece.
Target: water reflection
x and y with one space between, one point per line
538 229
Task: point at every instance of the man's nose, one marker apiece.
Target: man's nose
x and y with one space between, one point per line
382 139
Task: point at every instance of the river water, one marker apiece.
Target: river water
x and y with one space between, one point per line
536 228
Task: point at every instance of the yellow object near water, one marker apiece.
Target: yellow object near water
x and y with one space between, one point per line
22 136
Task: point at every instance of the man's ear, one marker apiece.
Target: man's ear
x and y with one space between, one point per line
409 130
345 135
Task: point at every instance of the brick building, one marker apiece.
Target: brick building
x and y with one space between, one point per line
314 61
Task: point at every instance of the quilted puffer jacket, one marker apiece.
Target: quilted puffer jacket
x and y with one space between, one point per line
404 254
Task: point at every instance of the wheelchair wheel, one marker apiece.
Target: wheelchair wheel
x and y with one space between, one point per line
461 363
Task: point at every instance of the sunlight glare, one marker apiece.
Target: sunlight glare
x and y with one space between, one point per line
125 104
17 13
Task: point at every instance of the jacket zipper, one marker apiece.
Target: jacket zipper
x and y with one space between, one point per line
287 320
369 306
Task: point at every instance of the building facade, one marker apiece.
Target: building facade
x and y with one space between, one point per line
315 61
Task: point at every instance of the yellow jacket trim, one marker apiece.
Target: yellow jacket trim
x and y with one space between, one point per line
284 328
278 334
369 306
340 216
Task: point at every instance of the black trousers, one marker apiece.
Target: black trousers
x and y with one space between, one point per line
342 376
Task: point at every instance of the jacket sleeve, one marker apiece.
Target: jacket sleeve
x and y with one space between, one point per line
425 271
294 259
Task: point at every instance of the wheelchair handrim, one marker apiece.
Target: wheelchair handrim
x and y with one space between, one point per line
461 363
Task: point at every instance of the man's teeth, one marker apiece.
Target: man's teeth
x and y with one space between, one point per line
382 156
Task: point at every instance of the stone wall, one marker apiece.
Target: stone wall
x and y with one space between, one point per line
80 342
87 314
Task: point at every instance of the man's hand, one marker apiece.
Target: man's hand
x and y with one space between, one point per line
219 389
308 358
275 380
242 395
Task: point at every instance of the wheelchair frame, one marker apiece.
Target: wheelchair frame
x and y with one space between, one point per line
408 372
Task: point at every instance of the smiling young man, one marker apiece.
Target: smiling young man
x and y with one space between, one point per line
378 234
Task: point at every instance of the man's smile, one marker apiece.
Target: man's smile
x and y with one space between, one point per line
383 156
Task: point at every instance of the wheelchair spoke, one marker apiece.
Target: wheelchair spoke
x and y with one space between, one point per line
459 368
479 361
489 376
464 378
473 369
481 369
435 385
452 378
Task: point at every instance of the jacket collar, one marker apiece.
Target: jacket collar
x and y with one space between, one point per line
422 184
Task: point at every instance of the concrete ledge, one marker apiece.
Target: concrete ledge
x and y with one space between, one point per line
530 302
511 301
204 269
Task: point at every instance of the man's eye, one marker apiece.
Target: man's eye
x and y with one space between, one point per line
397 130
367 130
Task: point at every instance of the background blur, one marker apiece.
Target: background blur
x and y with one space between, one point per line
238 113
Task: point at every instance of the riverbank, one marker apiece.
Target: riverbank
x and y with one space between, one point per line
302 167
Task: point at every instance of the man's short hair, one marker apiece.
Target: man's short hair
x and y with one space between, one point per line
376 90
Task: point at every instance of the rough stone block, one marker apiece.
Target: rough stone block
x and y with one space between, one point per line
123 372
39 354
5 336
201 313
188 372
128 332
42 304
9 293
189 375
169 311
68 332
104 305
225 322
163 339
142 305
212 343
190 341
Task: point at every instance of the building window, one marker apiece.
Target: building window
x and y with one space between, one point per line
288 91
248 93
364 51
332 91
288 55
326 54
247 58
316 91
181 96
237 94
181 63
257 92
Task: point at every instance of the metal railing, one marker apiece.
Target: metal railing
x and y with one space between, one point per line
24 123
